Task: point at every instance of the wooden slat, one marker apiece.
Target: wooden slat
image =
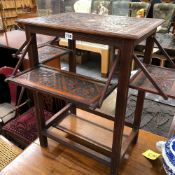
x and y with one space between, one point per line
83 128
127 143
58 116
77 147
101 113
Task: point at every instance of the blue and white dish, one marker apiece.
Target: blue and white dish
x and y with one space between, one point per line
168 154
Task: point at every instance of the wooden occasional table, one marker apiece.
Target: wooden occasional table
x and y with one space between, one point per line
82 92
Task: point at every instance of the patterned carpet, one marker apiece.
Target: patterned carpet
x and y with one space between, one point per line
156 116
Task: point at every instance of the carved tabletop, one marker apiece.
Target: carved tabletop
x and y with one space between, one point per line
111 26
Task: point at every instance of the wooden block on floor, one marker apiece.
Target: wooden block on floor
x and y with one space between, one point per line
80 59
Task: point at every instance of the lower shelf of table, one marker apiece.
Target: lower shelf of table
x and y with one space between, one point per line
94 135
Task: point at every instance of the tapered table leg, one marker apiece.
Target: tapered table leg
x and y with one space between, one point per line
32 51
72 63
39 113
33 55
126 52
72 57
